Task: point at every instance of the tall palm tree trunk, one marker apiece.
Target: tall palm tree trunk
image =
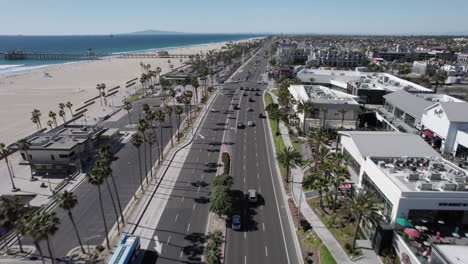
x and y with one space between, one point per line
356 229
170 129
49 248
146 162
160 137
36 244
19 242
117 197
151 163
70 215
139 169
178 127
113 204
103 216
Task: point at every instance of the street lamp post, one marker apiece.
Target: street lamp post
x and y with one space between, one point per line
50 186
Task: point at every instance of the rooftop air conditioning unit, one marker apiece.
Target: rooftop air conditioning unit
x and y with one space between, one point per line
449 187
423 186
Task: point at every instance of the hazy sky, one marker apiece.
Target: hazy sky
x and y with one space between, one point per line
68 17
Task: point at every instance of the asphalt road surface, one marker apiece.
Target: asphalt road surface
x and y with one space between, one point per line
265 236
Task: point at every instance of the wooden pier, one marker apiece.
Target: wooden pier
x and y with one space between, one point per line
84 56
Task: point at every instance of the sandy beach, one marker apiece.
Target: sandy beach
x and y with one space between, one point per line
75 82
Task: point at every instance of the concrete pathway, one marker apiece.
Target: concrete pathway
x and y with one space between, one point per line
300 200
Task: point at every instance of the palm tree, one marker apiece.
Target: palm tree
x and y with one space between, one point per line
195 84
96 179
4 152
322 155
364 205
178 111
26 226
103 168
340 175
24 145
172 93
169 110
142 126
50 123
62 115
137 140
36 118
99 88
10 212
53 115
289 158
186 100
151 140
160 117
69 106
105 158
67 201
324 110
44 225
316 139
343 113
61 106
128 107
275 114
305 107
317 183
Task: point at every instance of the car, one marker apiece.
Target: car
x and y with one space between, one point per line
236 222
244 94
236 107
240 125
236 81
212 110
259 82
250 109
251 99
242 88
257 94
252 196
258 89
261 115
250 123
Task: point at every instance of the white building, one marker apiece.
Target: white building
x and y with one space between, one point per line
331 109
409 107
336 58
424 68
448 122
462 57
410 179
62 150
369 86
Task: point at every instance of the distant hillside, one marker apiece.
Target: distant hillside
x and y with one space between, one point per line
152 32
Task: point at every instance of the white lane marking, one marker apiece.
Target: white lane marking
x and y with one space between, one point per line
263 227
193 208
244 179
181 252
168 240
276 196
158 246
188 227
183 197
259 189
266 251
245 235
198 189
200 135
245 259
258 174
177 216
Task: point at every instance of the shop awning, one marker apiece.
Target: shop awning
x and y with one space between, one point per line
428 133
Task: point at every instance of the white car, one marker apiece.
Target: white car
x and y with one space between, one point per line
213 110
252 196
250 123
236 222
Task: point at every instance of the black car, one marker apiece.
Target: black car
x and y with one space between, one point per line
251 99
261 115
257 94
258 90
244 94
242 88
240 125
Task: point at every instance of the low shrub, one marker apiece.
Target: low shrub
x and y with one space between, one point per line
305 225
227 162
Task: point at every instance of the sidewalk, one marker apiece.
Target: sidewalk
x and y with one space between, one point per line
328 239
298 174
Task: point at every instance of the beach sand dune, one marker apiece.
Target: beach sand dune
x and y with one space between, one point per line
75 82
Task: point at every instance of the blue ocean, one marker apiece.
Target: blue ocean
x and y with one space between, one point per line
99 44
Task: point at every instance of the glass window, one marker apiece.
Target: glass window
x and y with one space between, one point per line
386 205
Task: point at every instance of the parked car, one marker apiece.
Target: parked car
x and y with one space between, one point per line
261 115
250 109
257 94
251 99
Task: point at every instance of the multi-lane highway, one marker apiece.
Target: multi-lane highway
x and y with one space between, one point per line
265 236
